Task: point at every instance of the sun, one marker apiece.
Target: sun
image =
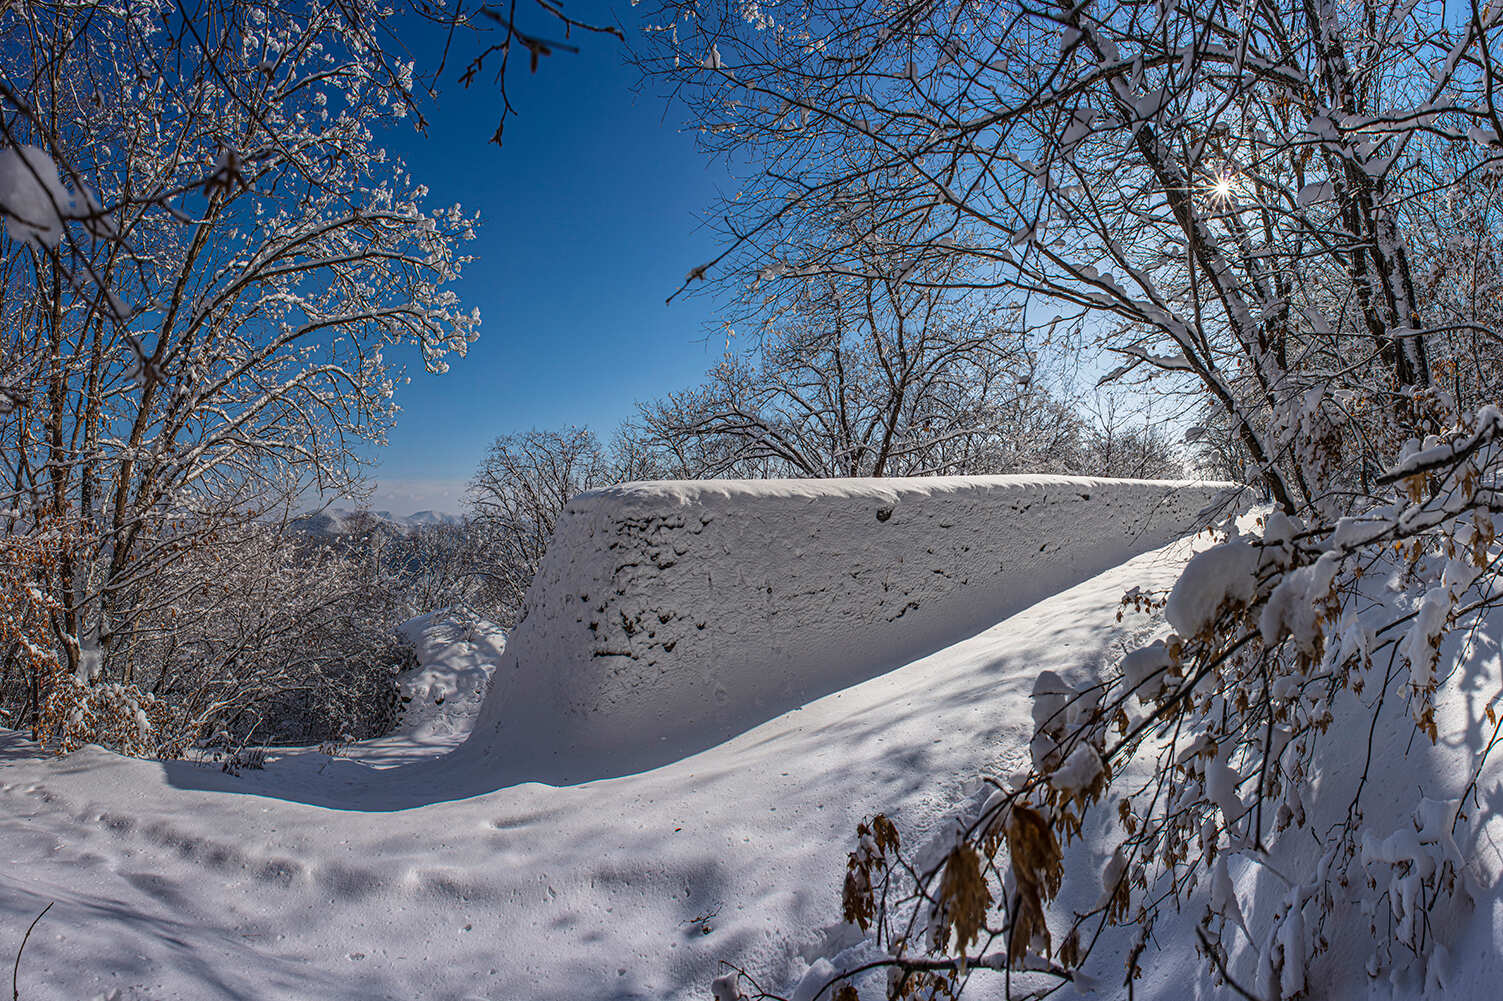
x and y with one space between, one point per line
1223 185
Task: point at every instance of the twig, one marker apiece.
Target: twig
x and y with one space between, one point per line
15 971
1221 966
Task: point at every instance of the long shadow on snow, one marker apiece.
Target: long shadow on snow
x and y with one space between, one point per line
1000 664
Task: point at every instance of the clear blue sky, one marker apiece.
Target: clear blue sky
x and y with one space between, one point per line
591 217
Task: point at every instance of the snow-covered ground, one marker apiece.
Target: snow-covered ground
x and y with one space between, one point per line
321 877
405 869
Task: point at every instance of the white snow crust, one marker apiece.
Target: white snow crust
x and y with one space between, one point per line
669 616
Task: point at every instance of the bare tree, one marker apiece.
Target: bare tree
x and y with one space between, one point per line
1127 441
501 31
206 322
884 370
438 566
515 501
893 377
1252 204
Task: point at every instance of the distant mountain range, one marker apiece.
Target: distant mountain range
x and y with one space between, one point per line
342 521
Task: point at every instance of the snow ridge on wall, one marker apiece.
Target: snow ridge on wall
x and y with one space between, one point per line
669 616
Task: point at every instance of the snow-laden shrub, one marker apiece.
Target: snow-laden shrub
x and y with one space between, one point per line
122 717
1303 671
27 561
277 637
268 635
64 709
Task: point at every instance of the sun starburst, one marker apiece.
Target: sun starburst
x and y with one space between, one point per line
1223 186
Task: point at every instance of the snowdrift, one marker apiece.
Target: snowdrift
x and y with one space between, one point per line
394 870
668 616
342 879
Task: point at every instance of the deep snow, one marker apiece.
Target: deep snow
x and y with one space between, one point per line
406 869
175 881
669 616
394 871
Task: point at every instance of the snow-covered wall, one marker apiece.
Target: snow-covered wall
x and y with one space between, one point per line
668 616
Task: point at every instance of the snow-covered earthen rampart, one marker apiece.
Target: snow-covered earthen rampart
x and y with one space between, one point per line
668 616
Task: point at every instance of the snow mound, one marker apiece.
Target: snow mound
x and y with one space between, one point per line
33 201
456 653
669 616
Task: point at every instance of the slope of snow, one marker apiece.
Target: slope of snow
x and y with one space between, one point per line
455 877
398 871
667 617
456 655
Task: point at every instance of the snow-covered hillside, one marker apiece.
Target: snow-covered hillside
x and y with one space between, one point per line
336 521
402 871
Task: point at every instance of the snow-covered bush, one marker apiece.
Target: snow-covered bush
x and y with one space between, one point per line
269 636
123 717
1300 675
280 638
63 709
30 662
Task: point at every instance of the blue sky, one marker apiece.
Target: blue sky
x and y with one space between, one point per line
591 217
